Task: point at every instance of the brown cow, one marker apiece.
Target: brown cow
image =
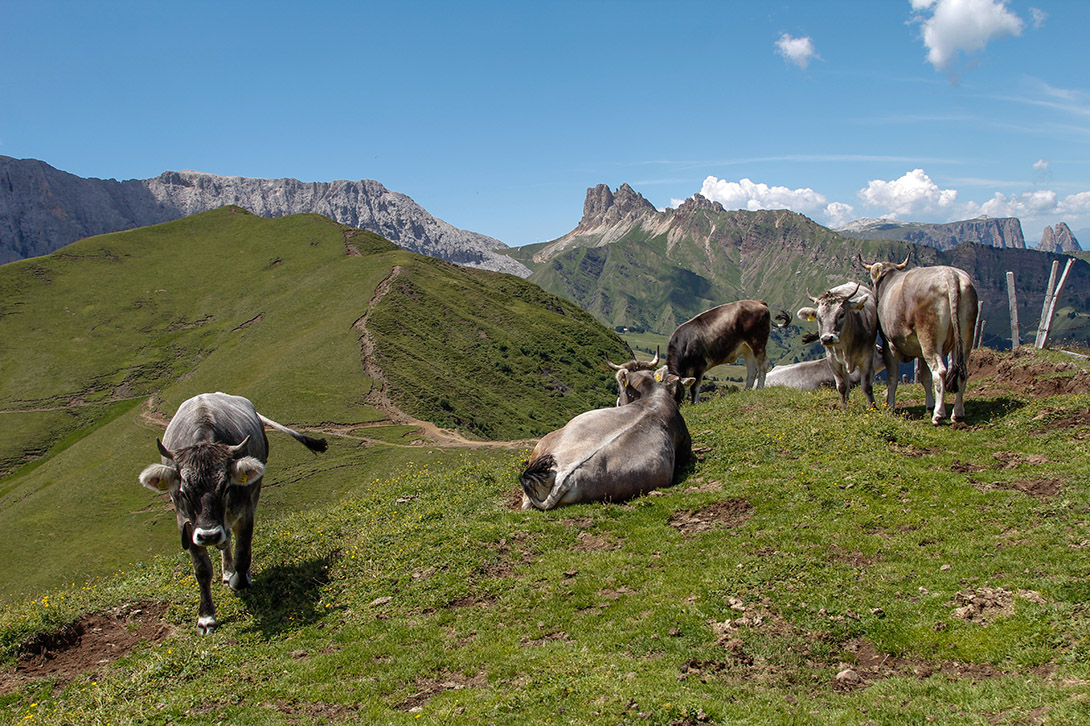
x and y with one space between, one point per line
720 335
925 313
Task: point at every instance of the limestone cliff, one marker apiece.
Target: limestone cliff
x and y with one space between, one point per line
42 209
1059 240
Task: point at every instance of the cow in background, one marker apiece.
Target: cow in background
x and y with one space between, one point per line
612 454
926 313
720 335
213 458
847 321
811 375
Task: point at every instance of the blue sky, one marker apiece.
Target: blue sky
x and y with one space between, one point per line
497 116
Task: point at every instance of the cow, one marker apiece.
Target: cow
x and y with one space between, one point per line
925 313
720 335
212 461
613 454
811 375
847 320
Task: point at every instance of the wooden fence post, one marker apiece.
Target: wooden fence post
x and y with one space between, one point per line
1052 302
978 335
1012 303
1039 342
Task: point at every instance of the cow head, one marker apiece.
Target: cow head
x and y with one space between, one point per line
636 365
831 312
878 270
197 478
634 385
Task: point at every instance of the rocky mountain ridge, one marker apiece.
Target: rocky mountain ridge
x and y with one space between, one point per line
1059 239
1001 232
43 209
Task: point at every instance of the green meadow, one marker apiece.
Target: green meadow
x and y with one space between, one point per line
812 566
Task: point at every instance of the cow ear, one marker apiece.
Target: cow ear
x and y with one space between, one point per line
859 304
159 478
246 471
660 374
687 383
622 378
807 313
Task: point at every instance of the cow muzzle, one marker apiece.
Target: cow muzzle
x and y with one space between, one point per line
830 339
209 536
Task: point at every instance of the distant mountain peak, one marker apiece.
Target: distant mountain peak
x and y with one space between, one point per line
699 201
606 208
1059 239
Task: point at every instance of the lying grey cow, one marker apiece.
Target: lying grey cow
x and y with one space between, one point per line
925 313
810 375
847 320
613 453
213 460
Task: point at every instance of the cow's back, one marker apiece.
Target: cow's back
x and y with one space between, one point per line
715 335
220 418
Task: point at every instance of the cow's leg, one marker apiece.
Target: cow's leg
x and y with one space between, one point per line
227 562
694 392
244 535
843 381
959 397
893 375
936 370
866 378
762 368
202 569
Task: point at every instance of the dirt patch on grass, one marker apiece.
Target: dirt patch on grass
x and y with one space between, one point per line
1013 460
867 664
1037 488
87 644
1051 419
595 543
428 688
995 373
727 513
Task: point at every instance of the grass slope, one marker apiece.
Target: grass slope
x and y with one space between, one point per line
134 323
939 571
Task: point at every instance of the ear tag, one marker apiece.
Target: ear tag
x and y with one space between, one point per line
245 476
658 377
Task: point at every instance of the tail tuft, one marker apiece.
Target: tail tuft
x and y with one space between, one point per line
316 445
784 319
537 479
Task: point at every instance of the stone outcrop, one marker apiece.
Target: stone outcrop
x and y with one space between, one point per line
1059 239
42 209
1002 232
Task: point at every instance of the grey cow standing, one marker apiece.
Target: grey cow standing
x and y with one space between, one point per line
213 458
925 313
847 320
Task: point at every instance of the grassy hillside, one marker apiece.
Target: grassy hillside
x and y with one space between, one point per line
813 567
103 340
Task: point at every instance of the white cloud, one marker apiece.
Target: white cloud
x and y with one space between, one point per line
746 194
837 214
1039 17
799 51
963 26
1040 165
912 194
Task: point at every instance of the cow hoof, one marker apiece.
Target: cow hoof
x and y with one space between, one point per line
240 581
227 576
206 625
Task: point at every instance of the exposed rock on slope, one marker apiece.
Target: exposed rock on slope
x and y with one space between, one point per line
1059 240
1005 232
42 209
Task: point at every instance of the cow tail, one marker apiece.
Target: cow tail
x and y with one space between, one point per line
538 477
783 319
316 445
958 372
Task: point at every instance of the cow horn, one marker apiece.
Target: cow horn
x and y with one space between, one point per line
239 449
655 361
164 450
905 263
812 298
613 365
850 295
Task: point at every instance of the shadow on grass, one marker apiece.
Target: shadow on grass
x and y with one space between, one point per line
977 411
285 597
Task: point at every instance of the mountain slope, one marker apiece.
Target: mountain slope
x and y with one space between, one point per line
43 209
105 338
1004 232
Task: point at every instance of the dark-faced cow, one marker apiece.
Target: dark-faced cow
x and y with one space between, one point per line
612 454
811 375
213 458
847 319
720 335
926 313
